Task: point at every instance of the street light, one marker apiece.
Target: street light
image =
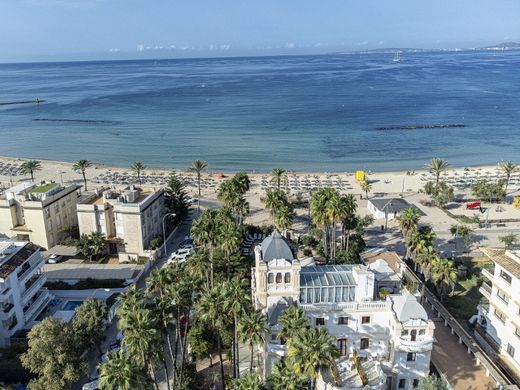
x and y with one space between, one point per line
164 230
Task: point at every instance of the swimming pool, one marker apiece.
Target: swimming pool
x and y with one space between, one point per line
71 305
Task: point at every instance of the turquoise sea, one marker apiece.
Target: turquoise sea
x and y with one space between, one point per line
303 113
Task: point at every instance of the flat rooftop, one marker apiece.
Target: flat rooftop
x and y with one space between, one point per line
13 255
100 200
509 260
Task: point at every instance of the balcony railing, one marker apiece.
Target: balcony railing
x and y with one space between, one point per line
487 273
485 289
34 285
360 306
37 265
37 305
422 345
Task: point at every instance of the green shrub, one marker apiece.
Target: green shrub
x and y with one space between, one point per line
307 252
156 242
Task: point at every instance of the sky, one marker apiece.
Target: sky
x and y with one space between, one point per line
38 30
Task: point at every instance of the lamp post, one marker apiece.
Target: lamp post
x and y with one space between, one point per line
164 229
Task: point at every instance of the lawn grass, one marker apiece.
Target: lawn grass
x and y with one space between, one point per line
463 303
43 188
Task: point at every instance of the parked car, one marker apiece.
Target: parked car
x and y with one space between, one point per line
53 259
179 256
186 246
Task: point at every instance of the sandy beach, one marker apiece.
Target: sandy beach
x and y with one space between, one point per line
101 175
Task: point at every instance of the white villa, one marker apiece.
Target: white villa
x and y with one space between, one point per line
392 337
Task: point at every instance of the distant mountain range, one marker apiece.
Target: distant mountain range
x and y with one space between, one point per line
504 46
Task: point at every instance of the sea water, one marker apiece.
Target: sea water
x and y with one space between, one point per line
303 113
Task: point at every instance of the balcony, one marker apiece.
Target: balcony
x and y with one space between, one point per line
31 270
485 290
488 274
37 305
32 286
5 294
423 345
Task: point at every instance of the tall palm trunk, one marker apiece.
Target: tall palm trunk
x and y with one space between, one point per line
167 373
177 333
237 357
251 346
84 179
198 199
152 374
219 348
184 343
168 339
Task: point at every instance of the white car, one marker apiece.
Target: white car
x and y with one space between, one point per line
53 259
179 255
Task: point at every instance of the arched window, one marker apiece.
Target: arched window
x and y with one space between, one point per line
287 278
270 278
279 277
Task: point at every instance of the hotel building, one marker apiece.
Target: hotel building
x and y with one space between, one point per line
129 219
40 213
498 328
392 337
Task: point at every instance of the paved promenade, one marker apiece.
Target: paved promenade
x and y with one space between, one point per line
453 360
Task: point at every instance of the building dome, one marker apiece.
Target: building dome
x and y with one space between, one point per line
275 247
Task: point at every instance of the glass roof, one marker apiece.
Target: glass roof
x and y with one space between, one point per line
327 276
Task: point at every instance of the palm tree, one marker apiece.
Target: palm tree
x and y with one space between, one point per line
278 177
283 378
31 166
205 232
252 329
81 166
138 167
319 215
229 239
119 372
310 351
236 302
209 311
437 166
366 187
292 321
508 167
425 260
349 220
249 382
198 166
142 338
284 218
444 274
409 221
424 237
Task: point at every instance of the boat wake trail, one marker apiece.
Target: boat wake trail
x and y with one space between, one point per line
418 127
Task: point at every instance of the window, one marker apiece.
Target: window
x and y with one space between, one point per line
504 275
342 346
320 321
411 356
422 332
365 320
287 278
415 383
502 296
402 383
517 332
364 343
279 277
343 321
273 336
270 278
404 332
501 316
510 350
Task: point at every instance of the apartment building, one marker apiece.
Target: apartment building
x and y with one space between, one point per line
129 219
392 337
22 295
498 326
40 213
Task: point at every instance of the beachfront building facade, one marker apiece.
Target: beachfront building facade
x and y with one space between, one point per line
129 219
41 213
387 208
498 327
22 295
392 337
